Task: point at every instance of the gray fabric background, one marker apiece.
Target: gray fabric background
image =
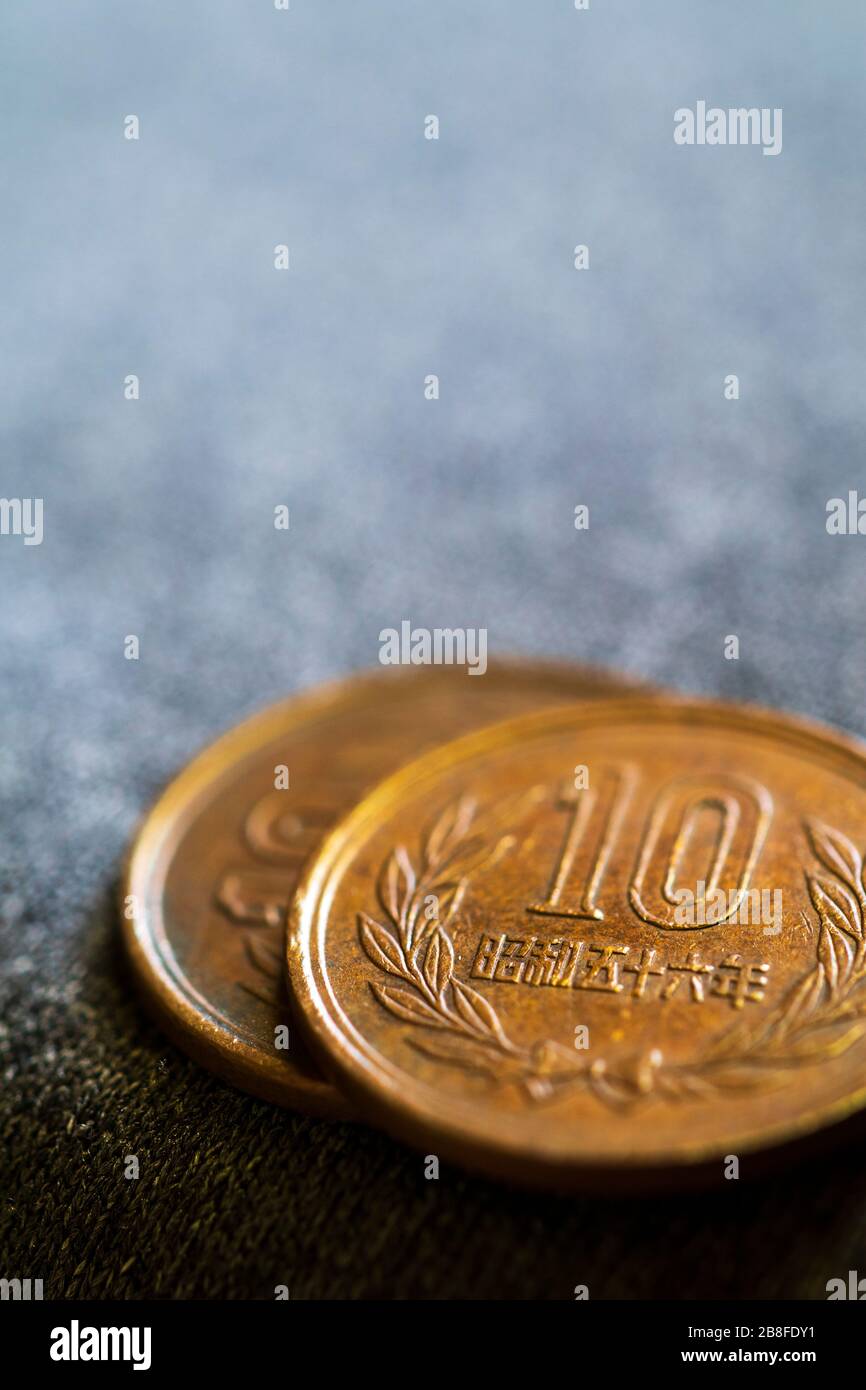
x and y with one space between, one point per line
407 257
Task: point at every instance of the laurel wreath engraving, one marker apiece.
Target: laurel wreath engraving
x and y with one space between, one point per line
821 1017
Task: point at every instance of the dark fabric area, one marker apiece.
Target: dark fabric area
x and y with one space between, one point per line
306 388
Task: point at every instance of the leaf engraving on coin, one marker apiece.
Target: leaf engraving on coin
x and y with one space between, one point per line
418 950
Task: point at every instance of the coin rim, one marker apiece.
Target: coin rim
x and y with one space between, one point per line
382 1096
198 1028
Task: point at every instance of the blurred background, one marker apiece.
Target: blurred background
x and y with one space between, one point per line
605 387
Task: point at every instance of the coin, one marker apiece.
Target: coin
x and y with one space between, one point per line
212 869
601 946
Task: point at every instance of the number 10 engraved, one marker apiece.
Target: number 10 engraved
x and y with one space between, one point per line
734 812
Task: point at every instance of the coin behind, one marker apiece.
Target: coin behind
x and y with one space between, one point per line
554 949
213 867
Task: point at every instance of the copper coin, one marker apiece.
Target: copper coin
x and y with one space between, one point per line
598 945
213 868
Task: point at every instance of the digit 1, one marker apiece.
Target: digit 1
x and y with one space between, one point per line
588 855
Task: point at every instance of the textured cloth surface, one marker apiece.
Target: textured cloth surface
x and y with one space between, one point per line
258 387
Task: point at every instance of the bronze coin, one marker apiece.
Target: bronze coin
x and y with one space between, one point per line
213 868
599 945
